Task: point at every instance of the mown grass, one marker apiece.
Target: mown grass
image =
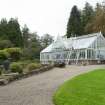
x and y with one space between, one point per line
85 89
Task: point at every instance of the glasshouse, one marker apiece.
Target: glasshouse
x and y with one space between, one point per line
83 49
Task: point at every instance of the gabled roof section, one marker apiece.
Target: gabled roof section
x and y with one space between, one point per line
48 49
83 42
74 42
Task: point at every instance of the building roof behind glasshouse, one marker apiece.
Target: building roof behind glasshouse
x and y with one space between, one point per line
72 43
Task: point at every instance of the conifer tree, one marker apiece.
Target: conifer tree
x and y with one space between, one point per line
87 15
14 32
74 23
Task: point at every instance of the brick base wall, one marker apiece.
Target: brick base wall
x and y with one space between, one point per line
87 62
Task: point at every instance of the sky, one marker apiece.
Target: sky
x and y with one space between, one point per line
42 16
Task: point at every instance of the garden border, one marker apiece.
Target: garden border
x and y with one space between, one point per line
25 75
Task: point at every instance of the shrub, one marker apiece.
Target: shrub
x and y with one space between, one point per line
0 72
15 53
33 66
3 55
23 64
5 44
16 67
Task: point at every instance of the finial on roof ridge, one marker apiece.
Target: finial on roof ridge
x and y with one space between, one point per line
58 37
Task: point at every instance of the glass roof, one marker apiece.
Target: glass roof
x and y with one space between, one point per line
74 42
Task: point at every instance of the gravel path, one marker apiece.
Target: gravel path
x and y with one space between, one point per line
39 89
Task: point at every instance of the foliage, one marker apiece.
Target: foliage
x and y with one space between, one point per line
32 51
14 32
25 34
35 46
46 40
89 20
0 72
24 63
5 44
33 66
87 15
3 55
74 23
10 30
97 23
85 89
16 67
4 29
15 53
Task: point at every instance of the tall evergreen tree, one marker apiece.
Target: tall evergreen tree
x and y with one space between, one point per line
14 32
87 15
74 23
25 34
3 29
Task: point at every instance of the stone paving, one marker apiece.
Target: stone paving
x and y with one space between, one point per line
39 89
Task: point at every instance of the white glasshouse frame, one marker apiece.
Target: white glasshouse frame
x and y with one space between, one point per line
95 51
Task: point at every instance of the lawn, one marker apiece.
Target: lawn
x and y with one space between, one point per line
85 89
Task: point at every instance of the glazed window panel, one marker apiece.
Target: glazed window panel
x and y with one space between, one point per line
73 55
82 54
90 54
